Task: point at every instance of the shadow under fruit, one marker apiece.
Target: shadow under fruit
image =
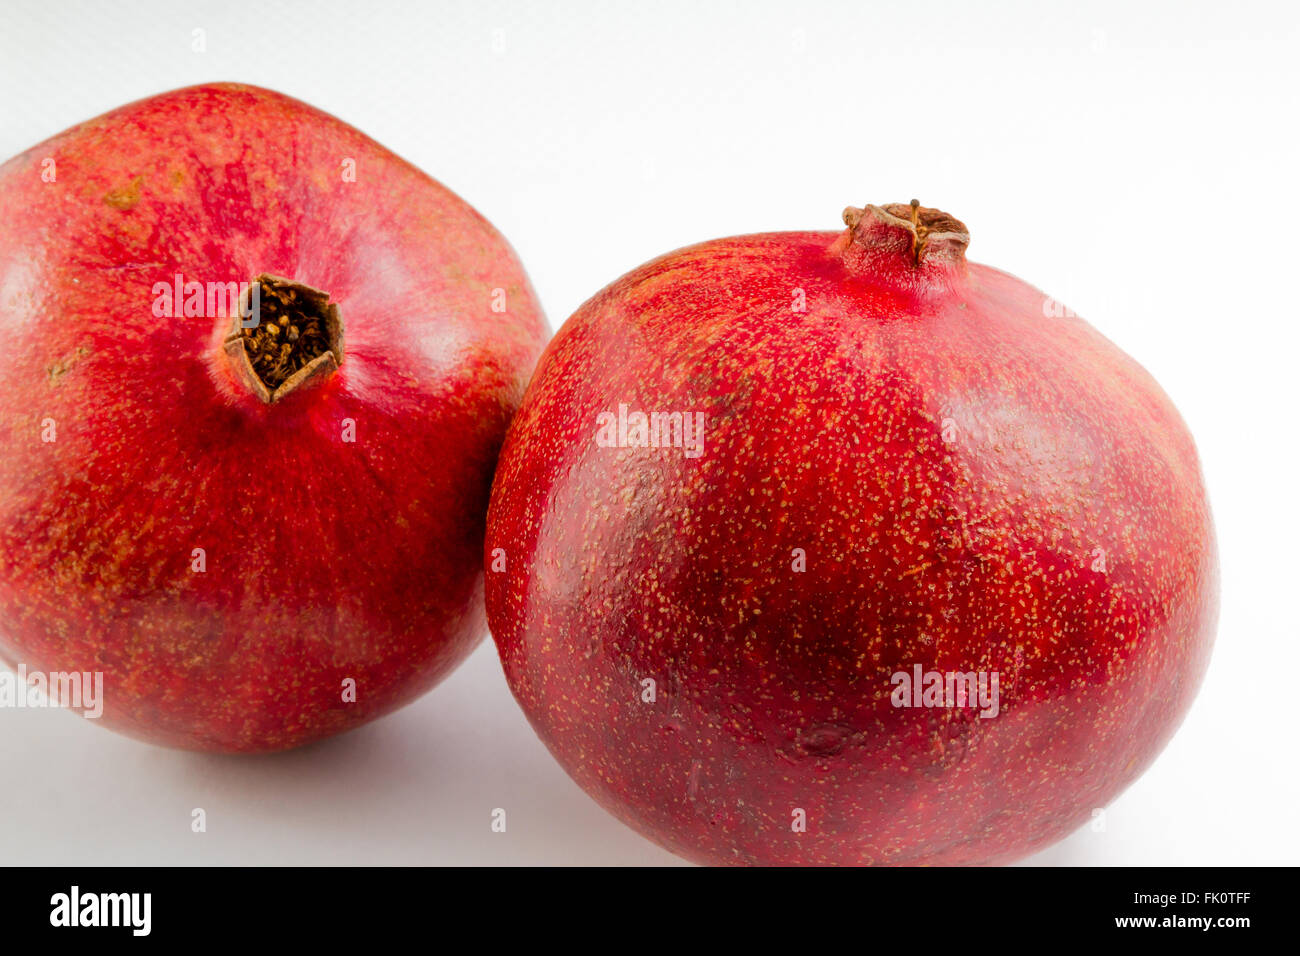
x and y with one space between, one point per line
236 524
907 464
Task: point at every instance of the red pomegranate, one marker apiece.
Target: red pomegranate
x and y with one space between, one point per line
257 371
813 548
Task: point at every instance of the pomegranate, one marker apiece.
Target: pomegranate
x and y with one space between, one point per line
817 548
257 370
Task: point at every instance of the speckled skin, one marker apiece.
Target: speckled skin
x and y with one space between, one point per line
948 458
325 559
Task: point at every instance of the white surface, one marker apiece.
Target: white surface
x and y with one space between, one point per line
1136 161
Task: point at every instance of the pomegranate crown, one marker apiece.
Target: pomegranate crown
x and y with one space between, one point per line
923 236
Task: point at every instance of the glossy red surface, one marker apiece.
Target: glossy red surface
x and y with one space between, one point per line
976 486
326 559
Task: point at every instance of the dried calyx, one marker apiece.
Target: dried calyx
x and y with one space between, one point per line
930 232
285 336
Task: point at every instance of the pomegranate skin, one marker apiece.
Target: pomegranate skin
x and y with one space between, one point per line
230 564
974 486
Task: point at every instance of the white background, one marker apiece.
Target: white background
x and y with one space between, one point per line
1137 161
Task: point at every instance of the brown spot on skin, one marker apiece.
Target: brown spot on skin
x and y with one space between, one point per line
64 365
125 197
